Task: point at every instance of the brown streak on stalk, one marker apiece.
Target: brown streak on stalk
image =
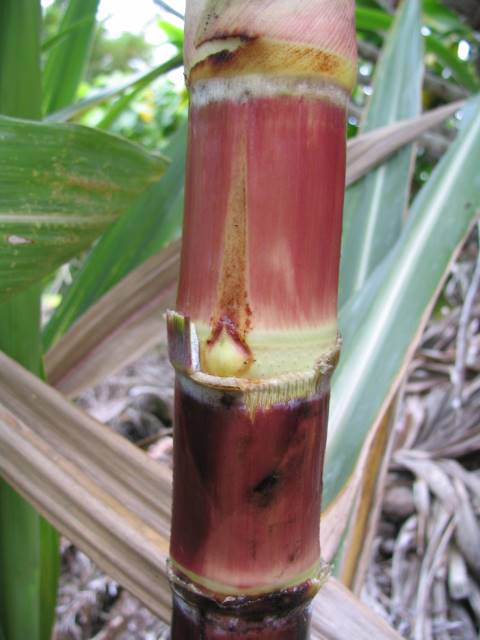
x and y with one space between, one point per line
232 294
261 55
233 314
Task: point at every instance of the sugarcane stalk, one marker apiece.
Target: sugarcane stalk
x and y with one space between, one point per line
254 336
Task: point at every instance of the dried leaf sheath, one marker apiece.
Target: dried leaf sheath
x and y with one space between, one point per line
254 337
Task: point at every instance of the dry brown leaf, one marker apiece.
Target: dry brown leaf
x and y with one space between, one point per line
468 529
458 581
121 326
368 150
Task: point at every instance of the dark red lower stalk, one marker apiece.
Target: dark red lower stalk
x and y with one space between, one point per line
247 493
284 615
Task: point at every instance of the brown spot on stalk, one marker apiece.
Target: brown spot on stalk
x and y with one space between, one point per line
226 352
222 57
264 492
227 400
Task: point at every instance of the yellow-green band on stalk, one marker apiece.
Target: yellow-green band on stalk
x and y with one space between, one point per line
318 574
270 380
276 352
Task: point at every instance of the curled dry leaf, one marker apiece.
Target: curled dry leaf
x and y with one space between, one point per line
458 581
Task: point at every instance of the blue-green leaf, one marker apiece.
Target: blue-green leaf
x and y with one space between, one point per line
375 206
380 324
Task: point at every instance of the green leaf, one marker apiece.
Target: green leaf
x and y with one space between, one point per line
66 61
376 20
381 323
443 20
138 81
140 233
29 554
20 79
375 206
173 33
460 70
123 102
372 19
29 558
20 565
64 185
61 35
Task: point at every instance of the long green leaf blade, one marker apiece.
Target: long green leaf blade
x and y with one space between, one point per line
460 69
377 20
20 565
122 103
137 83
372 19
29 556
63 186
384 319
61 35
140 233
66 61
375 206
20 78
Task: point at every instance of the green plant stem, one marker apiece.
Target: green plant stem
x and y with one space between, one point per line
28 544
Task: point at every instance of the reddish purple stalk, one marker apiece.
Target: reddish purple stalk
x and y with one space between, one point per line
247 489
247 481
254 338
283 616
295 166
